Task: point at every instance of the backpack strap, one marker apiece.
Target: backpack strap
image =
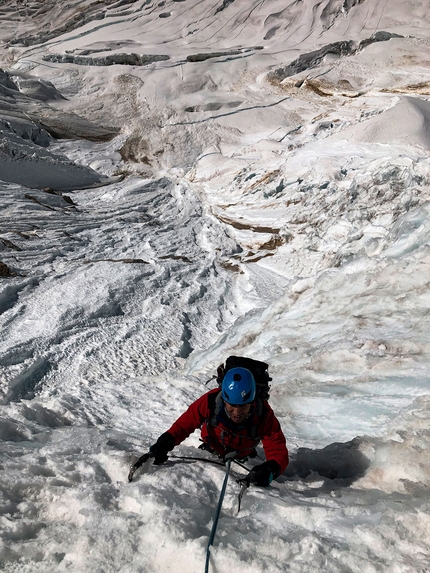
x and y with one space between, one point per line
259 410
214 405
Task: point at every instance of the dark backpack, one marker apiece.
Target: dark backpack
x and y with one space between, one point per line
259 371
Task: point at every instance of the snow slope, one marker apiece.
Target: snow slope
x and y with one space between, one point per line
181 181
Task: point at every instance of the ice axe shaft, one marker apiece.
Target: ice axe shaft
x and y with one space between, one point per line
244 485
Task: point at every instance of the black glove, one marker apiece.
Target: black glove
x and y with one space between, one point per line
165 443
263 474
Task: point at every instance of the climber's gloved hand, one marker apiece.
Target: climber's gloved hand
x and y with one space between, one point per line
164 444
263 474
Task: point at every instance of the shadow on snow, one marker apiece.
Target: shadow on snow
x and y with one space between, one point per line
342 462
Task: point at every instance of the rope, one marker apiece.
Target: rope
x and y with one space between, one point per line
217 513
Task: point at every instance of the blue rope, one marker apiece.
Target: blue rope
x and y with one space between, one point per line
218 511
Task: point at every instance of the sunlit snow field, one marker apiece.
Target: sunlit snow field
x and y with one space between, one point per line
181 181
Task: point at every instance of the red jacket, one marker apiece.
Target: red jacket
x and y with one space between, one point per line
224 436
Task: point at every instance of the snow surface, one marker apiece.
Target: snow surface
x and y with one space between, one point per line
181 181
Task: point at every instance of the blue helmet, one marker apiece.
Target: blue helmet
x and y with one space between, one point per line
238 386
